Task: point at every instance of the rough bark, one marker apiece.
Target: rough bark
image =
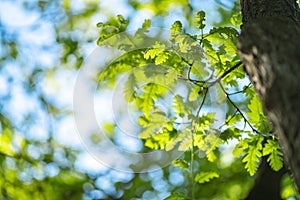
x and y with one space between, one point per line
269 46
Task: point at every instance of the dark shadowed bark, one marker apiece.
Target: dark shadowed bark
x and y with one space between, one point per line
267 184
269 46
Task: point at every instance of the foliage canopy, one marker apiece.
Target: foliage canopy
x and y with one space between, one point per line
185 89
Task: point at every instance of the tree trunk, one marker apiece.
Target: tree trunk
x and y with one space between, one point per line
267 185
269 46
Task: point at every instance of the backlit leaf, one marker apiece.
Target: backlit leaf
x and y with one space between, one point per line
204 177
271 148
183 164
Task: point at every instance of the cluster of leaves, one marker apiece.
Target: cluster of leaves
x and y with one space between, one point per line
158 70
201 64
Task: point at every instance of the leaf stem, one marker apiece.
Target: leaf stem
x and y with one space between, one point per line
238 109
193 167
241 91
228 120
225 74
196 82
202 103
193 131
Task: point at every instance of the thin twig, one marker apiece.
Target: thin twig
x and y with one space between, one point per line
225 74
238 109
242 91
196 82
231 117
202 103
181 123
193 148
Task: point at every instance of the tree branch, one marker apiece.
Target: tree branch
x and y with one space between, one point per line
225 74
238 109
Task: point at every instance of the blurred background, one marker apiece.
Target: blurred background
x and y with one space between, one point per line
43 46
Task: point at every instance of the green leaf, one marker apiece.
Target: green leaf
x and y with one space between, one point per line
171 144
228 31
161 58
204 177
156 122
233 118
176 27
175 30
111 28
250 91
186 144
129 88
186 43
5 142
162 138
200 18
288 188
236 19
230 133
252 160
156 50
199 69
193 94
208 143
143 121
151 143
181 108
145 101
264 125
240 148
253 155
147 23
152 53
271 148
177 196
162 77
183 164
255 110
221 96
257 117
204 121
211 156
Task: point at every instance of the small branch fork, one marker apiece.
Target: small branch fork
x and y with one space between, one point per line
225 74
205 82
189 79
238 92
238 110
205 85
